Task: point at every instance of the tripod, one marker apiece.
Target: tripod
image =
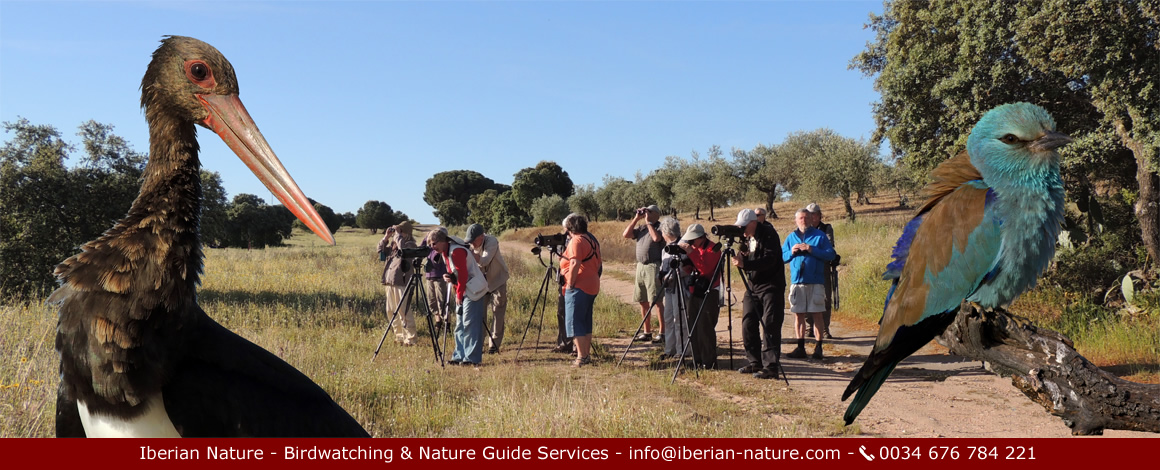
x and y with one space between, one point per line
550 273
716 275
414 284
721 267
675 276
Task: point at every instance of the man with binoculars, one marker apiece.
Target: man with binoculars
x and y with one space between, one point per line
647 287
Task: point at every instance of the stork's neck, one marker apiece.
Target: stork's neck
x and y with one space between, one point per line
171 192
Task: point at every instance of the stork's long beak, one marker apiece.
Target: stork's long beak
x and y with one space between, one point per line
230 120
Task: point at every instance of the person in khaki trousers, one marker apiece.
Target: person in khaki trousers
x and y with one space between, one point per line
396 273
495 270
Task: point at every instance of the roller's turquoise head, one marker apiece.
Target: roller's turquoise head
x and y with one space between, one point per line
1014 141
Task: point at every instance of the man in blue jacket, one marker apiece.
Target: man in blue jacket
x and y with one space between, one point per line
807 250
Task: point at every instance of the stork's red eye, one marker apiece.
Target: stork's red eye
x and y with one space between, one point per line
1009 139
199 73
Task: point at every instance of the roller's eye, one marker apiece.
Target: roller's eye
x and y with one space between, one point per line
1009 139
199 73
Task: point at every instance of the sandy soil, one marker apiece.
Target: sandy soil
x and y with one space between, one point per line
931 394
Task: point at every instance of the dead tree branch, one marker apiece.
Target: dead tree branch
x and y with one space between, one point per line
1044 365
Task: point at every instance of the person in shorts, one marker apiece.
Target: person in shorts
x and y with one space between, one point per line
647 288
808 252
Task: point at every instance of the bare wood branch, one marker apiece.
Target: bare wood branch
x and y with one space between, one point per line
1045 366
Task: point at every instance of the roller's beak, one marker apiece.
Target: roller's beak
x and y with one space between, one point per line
229 119
1050 141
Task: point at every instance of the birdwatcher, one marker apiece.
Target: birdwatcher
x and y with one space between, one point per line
704 307
763 308
580 265
674 340
433 272
646 289
564 343
808 252
470 288
831 268
396 272
486 250
761 215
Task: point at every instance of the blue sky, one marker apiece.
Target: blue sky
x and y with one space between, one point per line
366 100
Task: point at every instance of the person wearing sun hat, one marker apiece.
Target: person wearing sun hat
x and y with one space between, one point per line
396 272
704 307
763 307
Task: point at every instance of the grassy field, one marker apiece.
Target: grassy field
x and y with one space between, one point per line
321 309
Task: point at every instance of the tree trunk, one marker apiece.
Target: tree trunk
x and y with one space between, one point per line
1148 204
902 202
697 213
849 208
769 206
711 217
1044 366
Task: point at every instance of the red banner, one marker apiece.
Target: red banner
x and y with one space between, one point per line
571 453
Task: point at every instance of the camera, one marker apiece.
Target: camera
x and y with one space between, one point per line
558 239
674 249
411 253
731 231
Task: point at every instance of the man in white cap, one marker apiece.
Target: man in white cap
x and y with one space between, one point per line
486 250
816 221
764 304
647 288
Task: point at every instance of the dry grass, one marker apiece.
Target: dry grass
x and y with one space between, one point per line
320 308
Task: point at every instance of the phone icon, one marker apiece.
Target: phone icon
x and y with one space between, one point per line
862 450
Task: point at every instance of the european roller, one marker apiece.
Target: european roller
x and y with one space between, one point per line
986 232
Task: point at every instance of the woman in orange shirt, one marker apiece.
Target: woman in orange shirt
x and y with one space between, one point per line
580 265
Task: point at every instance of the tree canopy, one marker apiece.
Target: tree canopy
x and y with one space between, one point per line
448 192
546 178
378 215
50 209
940 65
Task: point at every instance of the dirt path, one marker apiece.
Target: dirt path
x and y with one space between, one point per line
930 394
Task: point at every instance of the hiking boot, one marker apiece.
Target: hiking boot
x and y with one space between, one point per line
827 335
767 373
798 352
493 350
563 348
749 369
817 352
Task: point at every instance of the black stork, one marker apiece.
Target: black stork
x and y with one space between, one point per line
138 356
